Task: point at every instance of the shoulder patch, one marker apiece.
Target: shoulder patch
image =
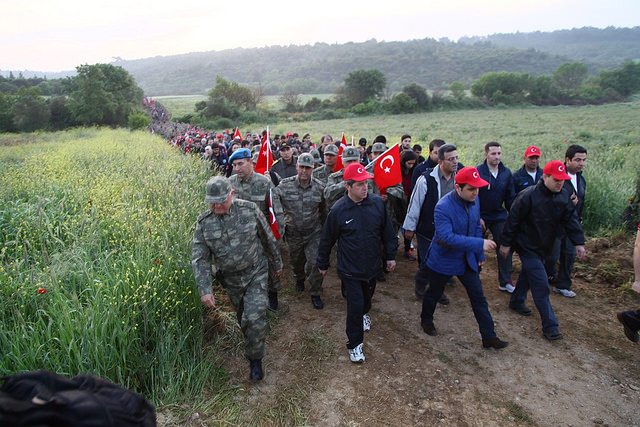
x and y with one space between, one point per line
205 214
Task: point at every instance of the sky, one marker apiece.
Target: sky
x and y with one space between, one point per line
52 36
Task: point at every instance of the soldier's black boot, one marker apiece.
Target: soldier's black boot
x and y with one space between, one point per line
317 302
300 285
256 369
273 301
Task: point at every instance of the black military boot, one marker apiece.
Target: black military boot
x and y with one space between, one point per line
317 302
256 369
273 301
300 285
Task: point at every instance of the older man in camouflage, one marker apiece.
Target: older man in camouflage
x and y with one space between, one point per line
335 189
255 188
242 244
322 172
302 199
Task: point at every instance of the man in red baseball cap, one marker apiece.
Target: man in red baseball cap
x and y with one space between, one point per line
530 172
359 222
457 248
534 222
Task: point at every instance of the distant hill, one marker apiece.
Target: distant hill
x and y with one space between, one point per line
322 67
605 48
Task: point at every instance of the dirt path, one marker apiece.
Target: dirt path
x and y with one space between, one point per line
591 377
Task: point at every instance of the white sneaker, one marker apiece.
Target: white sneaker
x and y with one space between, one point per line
565 292
366 322
507 288
356 355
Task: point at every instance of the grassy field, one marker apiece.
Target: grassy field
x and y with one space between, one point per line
179 105
95 269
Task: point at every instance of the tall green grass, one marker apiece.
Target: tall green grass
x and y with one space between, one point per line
95 262
611 134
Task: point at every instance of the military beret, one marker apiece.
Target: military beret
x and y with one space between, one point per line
240 153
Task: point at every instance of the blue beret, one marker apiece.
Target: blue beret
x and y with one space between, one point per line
240 153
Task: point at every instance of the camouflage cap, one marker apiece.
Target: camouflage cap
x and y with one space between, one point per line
218 189
316 155
378 147
331 149
350 153
305 159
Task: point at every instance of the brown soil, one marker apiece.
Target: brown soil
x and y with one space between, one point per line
591 377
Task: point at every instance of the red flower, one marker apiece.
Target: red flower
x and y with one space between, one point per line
156 262
42 291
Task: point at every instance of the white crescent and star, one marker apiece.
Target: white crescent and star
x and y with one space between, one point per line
475 174
387 169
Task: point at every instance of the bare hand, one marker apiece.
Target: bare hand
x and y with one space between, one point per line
384 197
504 251
488 245
480 263
580 252
208 300
323 272
574 198
483 225
277 273
409 234
391 265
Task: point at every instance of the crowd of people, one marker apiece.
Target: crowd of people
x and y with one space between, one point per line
454 214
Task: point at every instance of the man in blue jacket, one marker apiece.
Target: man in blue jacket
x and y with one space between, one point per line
495 200
457 249
359 222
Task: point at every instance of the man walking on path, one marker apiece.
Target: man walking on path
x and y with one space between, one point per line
458 249
236 234
538 215
361 226
530 172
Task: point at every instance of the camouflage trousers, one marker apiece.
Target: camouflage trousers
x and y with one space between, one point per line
247 293
303 251
274 282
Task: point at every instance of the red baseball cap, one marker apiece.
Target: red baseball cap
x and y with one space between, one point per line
532 151
355 172
469 175
556 169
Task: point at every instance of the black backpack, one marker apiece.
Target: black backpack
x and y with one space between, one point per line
42 398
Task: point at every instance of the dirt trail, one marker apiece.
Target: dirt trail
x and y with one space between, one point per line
591 377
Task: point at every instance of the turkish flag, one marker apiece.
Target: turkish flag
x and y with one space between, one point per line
272 216
339 166
386 172
236 134
265 157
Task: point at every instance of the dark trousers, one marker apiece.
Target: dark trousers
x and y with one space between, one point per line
471 281
359 294
505 267
422 275
632 317
533 276
564 255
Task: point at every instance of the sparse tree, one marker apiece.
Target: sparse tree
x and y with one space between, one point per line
457 90
361 85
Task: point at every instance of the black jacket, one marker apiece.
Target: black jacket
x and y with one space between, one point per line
522 179
363 230
537 217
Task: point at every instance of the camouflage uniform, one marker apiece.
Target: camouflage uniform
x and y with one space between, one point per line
396 203
322 173
244 248
335 189
256 189
304 210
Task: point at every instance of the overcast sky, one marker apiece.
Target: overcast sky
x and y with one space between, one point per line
49 35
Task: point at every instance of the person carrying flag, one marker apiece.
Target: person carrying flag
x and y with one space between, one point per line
254 187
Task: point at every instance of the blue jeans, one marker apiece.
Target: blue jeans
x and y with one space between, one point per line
471 282
505 266
359 294
534 276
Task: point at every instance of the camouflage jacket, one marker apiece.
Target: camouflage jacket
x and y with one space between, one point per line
237 240
256 189
304 207
322 173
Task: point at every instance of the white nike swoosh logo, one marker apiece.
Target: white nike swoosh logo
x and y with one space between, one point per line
347 222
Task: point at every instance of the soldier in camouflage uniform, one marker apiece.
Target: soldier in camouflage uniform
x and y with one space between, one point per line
242 244
302 199
255 188
335 189
322 172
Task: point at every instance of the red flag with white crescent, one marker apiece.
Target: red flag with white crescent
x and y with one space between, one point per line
236 134
265 157
272 218
339 165
386 172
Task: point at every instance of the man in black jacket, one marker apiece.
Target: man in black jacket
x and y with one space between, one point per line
530 172
537 216
360 224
